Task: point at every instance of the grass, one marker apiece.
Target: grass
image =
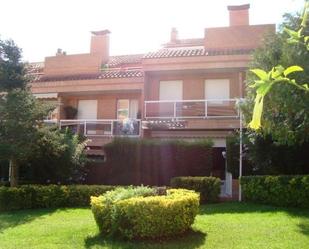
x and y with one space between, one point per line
229 225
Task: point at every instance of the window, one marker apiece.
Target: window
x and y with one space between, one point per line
123 108
127 108
171 90
133 111
87 109
217 89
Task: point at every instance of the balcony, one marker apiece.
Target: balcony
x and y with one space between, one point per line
191 109
102 127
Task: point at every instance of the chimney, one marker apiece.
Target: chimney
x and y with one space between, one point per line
174 35
100 44
239 14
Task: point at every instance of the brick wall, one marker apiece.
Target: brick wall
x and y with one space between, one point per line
193 85
107 103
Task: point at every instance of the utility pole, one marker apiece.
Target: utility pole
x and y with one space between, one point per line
240 150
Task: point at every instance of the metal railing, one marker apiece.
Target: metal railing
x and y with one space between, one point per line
103 127
202 108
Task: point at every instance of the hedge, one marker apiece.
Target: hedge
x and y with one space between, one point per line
50 196
151 162
146 216
208 187
283 190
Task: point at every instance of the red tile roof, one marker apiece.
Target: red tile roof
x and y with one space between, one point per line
218 41
189 52
120 60
36 70
102 75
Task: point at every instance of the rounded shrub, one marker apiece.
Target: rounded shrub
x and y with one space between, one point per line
146 216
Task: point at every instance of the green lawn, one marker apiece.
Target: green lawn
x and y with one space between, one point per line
230 225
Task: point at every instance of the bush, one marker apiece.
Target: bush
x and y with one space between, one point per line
146 216
152 162
208 187
51 196
102 206
58 157
284 190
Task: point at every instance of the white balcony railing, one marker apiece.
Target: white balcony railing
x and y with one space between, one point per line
102 127
205 108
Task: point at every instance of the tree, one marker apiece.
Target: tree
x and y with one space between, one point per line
279 144
12 71
20 114
21 117
24 138
57 157
281 89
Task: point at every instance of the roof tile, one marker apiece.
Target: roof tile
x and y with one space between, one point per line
102 75
188 52
119 60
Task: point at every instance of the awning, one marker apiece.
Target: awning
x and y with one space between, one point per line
46 95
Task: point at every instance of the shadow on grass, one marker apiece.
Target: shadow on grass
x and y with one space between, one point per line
190 240
15 218
304 227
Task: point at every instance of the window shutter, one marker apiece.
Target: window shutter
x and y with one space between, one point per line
171 90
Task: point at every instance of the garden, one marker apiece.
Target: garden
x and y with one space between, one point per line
52 207
59 216
227 225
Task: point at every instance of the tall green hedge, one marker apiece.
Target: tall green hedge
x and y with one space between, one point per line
208 187
284 190
51 196
152 162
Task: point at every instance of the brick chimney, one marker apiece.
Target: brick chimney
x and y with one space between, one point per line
239 14
100 44
174 35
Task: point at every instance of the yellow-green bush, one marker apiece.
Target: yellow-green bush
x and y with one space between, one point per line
147 216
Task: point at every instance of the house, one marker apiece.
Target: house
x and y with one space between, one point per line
187 89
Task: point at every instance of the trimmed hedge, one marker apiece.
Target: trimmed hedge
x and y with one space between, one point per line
50 196
208 187
146 216
284 190
151 162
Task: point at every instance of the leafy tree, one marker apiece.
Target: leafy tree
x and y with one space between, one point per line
21 116
23 136
282 88
263 156
58 157
12 71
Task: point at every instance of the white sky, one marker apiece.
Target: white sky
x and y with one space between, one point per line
39 27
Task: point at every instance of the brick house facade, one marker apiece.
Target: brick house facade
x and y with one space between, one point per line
187 89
